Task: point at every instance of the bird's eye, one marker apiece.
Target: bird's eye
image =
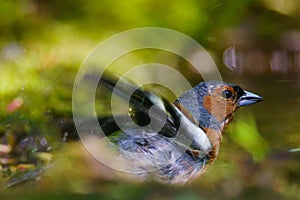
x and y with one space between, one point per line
226 94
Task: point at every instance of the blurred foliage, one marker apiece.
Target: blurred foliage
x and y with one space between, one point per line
245 133
43 43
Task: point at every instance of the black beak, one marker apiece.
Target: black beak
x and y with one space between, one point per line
249 98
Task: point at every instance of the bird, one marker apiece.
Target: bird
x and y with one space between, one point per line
172 142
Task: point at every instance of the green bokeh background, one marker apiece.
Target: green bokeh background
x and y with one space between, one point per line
44 42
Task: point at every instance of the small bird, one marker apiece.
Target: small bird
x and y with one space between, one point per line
172 142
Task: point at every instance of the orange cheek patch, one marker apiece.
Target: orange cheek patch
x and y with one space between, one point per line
215 107
207 103
218 106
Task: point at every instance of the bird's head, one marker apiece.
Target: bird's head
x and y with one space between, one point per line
213 103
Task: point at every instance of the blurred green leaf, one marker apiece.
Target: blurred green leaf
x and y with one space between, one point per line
245 133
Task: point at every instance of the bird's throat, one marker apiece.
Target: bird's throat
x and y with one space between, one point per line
215 137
